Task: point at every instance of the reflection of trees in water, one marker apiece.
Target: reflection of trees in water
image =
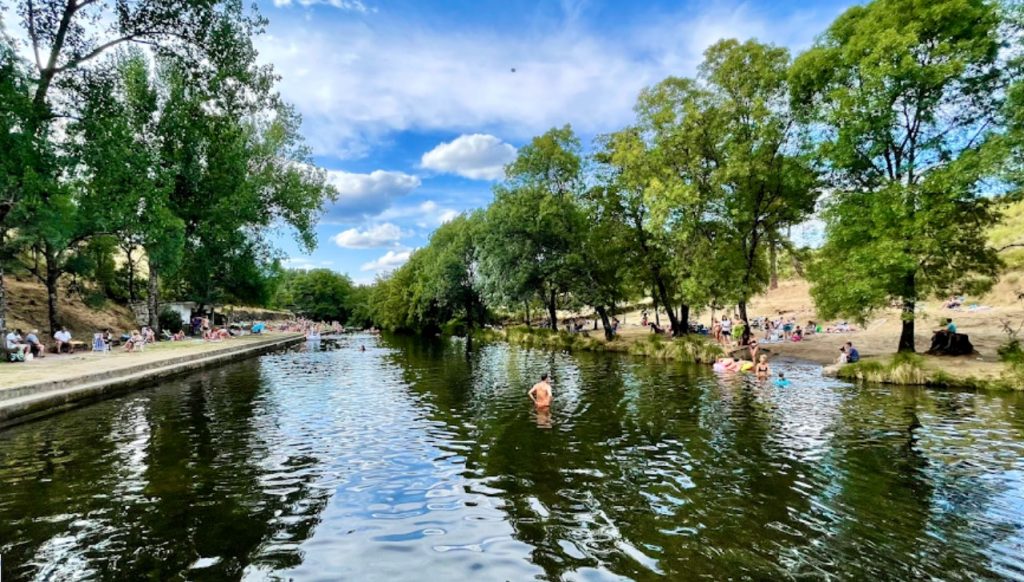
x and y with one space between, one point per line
912 497
642 472
655 467
198 488
41 466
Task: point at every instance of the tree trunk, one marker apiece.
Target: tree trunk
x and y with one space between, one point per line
3 303
153 298
773 257
907 334
798 267
674 323
609 333
654 299
529 325
131 276
742 305
684 318
551 311
52 277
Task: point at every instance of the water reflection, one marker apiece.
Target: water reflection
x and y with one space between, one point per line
333 463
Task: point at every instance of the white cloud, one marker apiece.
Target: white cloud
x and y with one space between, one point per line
356 93
427 214
377 236
477 156
448 215
389 261
364 195
299 263
353 5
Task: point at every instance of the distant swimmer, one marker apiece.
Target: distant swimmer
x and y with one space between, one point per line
362 348
541 393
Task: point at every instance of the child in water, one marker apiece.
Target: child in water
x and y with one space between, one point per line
781 381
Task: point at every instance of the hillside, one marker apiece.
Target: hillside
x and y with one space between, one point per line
26 309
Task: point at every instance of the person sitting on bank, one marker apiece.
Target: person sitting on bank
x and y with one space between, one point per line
852 355
950 326
134 342
37 347
16 348
62 339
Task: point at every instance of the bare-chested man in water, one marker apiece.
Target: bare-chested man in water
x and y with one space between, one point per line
541 393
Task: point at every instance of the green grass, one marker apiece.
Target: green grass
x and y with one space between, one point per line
912 370
686 349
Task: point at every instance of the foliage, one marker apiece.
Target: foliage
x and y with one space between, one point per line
905 98
318 294
170 320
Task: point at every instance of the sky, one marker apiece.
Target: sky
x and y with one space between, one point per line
414 106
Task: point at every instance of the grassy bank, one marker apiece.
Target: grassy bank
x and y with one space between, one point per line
686 349
918 370
899 369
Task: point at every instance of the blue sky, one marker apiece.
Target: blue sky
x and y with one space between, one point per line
413 108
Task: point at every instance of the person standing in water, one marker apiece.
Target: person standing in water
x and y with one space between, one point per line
540 394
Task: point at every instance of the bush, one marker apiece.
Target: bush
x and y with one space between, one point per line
1012 354
170 320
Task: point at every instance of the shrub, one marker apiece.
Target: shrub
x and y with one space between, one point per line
170 320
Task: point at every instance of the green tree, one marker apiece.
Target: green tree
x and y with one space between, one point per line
26 153
238 169
529 233
627 172
128 184
65 40
759 158
318 294
905 98
448 278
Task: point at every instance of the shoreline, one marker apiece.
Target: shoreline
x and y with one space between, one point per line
896 369
92 377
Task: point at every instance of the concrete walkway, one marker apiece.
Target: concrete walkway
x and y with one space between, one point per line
47 385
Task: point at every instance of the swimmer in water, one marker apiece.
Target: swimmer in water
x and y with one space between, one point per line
362 348
781 381
540 394
762 369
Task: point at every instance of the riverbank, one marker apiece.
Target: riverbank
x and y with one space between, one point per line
696 349
969 372
54 383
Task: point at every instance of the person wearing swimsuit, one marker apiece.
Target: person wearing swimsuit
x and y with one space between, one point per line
762 369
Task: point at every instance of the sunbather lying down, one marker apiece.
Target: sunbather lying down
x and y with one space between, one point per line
841 327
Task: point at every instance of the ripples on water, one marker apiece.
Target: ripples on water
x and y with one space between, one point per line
412 461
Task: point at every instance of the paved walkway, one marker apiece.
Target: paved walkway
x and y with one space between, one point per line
64 368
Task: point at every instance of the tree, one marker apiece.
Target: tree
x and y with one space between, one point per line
627 176
758 157
21 149
238 168
128 183
529 233
448 277
905 97
318 294
65 39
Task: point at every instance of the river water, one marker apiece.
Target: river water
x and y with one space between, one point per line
415 461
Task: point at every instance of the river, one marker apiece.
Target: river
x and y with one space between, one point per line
417 461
